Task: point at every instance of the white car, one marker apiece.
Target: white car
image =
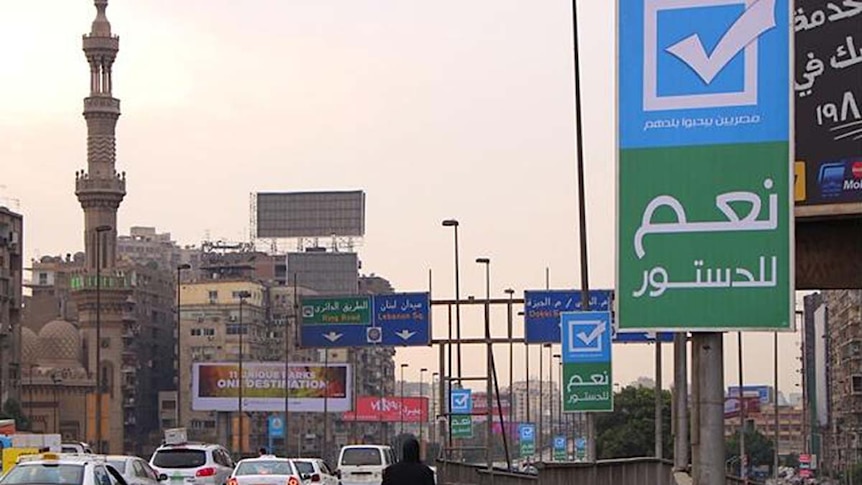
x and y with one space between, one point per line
193 464
265 470
315 470
364 464
135 470
62 469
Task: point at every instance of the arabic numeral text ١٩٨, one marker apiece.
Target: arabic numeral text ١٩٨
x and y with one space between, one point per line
830 113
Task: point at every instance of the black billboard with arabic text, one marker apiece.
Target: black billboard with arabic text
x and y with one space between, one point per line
828 94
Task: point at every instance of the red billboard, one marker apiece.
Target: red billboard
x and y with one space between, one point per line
389 410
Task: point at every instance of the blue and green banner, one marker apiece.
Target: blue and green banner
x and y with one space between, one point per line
704 196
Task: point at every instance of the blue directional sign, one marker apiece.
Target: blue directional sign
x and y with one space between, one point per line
400 319
276 426
461 401
403 318
542 311
764 393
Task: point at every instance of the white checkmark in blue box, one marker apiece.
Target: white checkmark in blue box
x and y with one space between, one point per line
703 72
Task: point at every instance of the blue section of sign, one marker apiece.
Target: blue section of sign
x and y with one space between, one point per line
461 401
764 393
560 443
527 432
542 311
404 318
705 72
581 443
276 426
586 337
397 320
641 337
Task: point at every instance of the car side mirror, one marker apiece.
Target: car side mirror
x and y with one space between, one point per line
163 477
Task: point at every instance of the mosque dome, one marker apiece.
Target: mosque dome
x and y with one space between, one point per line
60 342
29 346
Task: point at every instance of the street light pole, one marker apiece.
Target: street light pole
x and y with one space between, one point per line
489 389
242 295
99 381
560 407
435 377
180 268
510 317
453 223
551 391
422 372
401 402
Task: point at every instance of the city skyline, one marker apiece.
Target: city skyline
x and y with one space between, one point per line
474 122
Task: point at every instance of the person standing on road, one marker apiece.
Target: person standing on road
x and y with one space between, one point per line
410 470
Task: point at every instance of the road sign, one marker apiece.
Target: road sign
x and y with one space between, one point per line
276 426
527 438
399 319
404 318
542 310
587 371
704 203
580 449
462 426
461 401
561 448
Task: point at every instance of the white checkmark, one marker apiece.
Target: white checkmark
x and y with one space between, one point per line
756 20
588 339
460 400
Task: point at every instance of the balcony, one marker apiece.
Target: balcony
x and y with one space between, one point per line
99 43
84 185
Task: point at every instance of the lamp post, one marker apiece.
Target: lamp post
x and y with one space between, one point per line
453 223
527 415
180 268
489 390
542 399
509 322
551 391
560 378
422 372
401 401
99 380
435 377
242 295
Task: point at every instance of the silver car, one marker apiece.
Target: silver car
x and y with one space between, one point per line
193 464
135 470
315 470
265 470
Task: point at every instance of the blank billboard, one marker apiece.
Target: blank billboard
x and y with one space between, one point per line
310 214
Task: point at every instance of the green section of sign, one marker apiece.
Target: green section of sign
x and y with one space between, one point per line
528 448
588 387
705 238
462 426
342 310
561 454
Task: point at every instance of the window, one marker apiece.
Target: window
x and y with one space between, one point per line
101 476
179 458
361 457
169 404
209 332
856 384
43 278
234 329
197 332
43 474
259 467
119 465
213 296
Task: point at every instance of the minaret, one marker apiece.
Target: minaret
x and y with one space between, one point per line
100 189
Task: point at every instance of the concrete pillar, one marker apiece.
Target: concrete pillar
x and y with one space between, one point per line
711 408
680 414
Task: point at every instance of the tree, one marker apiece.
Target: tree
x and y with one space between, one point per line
757 446
12 410
629 432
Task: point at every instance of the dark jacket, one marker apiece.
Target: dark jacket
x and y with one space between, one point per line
409 471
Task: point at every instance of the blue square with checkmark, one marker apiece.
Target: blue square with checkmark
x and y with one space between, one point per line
678 78
586 337
703 72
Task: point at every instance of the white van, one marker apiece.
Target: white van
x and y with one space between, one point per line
364 464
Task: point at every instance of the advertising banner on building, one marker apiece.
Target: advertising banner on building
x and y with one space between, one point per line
828 94
389 410
704 166
312 387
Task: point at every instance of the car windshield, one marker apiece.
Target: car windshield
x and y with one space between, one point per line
262 467
304 467
119 465
361 457
180 458
39 473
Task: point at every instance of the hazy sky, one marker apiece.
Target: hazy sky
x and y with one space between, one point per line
437 109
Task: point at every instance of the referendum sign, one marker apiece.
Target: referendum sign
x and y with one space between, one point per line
215 387
704 203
